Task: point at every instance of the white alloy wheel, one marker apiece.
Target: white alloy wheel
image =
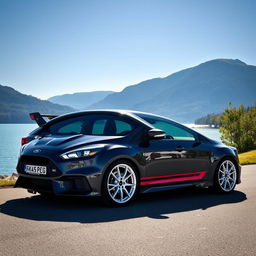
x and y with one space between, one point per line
227 175
121 183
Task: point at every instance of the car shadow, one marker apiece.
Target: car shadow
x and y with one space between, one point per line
90 210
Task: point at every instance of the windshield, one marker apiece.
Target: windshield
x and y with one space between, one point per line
100 125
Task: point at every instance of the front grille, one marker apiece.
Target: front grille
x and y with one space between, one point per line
71 185
52 170
39 185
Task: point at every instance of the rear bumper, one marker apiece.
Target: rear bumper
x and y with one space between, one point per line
66 185
238 181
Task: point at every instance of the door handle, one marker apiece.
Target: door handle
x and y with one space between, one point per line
180 148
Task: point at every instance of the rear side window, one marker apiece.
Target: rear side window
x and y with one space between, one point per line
101 125
122 127
72 128
98 127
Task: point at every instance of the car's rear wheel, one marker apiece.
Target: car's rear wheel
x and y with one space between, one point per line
225 176
120 183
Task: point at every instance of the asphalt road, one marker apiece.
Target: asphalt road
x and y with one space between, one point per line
181 222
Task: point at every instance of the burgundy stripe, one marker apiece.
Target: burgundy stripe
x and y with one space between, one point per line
173 178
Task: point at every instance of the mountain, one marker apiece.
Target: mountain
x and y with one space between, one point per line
190 93
80 100
15 106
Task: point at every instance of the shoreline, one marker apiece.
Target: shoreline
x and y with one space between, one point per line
8 180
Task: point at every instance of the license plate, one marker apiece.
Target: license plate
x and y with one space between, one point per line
35 169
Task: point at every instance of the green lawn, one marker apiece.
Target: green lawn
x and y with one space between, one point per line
4 183
248 157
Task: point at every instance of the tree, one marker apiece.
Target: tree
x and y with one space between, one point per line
210 119
238 127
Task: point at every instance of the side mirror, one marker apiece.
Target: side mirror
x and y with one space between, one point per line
156 134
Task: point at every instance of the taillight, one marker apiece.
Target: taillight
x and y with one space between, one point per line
23 140
32 116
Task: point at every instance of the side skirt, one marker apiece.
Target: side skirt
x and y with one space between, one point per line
164 188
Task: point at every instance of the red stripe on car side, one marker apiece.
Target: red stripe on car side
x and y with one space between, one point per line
172 178
172 175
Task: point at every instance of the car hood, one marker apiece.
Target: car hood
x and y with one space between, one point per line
66 142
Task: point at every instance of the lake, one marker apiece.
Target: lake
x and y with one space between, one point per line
12 134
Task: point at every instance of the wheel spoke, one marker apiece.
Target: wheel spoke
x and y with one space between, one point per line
115 193
125 172
232 179
129 184
114 176
128 177
228 183
225 184
118 171
128 194
113 186
121 194
222 179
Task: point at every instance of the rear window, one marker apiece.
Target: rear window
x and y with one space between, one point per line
101 125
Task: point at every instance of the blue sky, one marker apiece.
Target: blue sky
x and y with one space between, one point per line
54 47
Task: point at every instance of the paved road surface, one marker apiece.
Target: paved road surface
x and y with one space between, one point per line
182 222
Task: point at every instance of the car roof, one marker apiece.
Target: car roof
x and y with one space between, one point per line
118 112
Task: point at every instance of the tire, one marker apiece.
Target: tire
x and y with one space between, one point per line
120 183
225 177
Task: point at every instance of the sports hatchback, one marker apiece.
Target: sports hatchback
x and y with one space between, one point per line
117 154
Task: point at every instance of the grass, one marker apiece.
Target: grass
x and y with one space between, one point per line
247 157
4 183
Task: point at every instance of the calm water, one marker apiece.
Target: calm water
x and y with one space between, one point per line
11 136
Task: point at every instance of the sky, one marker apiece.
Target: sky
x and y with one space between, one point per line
53 47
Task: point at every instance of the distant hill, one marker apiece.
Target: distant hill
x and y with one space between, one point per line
15 106
80 100
190 93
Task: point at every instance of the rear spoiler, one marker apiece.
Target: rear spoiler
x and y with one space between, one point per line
39 118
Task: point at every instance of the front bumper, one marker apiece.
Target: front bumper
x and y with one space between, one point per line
77 177
66 185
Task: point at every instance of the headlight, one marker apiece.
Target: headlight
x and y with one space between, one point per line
82 152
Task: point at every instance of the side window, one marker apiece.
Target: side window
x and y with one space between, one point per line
98 127
72 128
172 130
122 128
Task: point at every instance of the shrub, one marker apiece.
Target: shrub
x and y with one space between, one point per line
238 127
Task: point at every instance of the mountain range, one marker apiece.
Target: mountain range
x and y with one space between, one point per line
80 100
184 96
15 106
190 93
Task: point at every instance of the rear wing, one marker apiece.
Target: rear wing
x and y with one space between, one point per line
39 118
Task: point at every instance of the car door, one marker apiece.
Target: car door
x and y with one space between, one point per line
178 157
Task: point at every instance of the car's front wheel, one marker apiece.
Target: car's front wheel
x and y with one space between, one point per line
225 176
120 183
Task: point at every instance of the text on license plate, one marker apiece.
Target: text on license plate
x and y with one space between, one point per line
35 169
